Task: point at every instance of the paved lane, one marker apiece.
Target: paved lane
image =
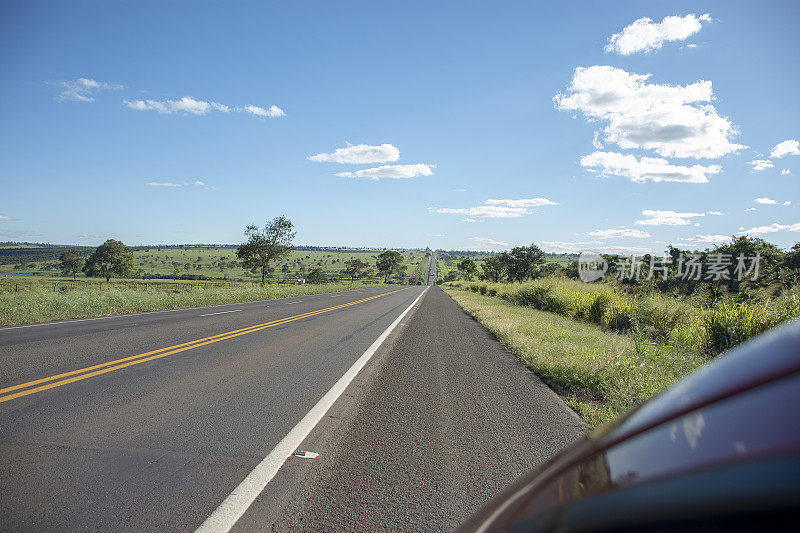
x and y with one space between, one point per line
158 445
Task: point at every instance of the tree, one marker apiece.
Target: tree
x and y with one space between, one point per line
523 262
110 258
317 276
354 268
388 263
70 262
468 267
493 268
261 247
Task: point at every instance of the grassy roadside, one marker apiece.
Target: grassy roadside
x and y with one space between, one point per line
597 372
42 304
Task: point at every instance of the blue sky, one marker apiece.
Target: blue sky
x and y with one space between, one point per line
492 136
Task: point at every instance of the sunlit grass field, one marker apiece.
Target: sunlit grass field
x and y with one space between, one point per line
62 301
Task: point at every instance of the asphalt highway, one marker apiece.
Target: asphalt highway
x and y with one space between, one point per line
186 419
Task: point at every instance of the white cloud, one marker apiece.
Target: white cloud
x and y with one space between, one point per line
787 202
359 154
765 201
522 202
172 184
594 246
271 111
644 35
484 211
83 89
760 164
613 233
787 147
785 172
461 190
646 168
672 120
707 239
667 218
488 243
435 235
717 213
496 208
192 106
751 209
471 220
772 228
6 218
391 171
163 184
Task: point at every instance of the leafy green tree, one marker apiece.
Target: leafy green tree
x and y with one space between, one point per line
317 276
354 268
493 268
266 245
523 262
388 263
109 259
70 262
468 267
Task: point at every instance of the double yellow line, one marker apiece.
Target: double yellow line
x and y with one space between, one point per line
84 373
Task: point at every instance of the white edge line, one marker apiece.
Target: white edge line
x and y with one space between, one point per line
236 504
222 312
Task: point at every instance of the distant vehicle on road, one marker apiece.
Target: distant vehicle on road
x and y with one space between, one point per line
718 451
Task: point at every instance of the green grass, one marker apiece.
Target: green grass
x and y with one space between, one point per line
685 324
216 262
597 372
43 304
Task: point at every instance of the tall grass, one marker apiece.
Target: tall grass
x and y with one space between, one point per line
42 304
702 329
597 372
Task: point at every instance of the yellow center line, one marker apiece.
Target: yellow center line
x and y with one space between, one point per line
117 364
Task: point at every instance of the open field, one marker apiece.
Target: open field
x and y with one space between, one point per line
208 261
44 303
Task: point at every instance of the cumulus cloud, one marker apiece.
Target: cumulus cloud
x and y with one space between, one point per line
672 120
717 213
496 208
192 106
488 243
760 164
522 202
667 218
772 228
644 35
646 168
613 233
471 220
765 201
391 171
358 154
787 202
83 89
787 147
5 218
751 209
271 111
785 172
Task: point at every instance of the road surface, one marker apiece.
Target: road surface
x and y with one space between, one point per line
186 419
